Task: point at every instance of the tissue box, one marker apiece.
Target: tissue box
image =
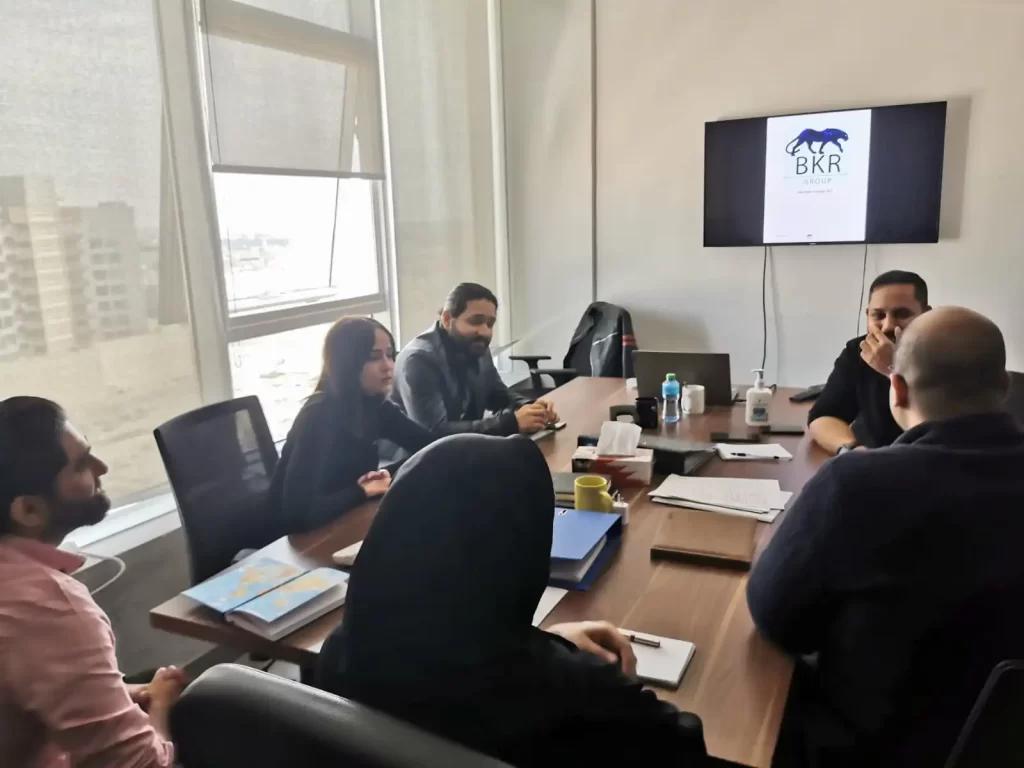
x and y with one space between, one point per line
625 471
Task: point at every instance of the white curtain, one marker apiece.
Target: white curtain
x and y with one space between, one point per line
436 71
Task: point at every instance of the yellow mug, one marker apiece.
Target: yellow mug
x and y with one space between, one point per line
591 492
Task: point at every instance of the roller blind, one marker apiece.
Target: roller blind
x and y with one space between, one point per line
292 87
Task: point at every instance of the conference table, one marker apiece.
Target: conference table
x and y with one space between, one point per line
737 681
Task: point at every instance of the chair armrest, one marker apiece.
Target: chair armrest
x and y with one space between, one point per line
530 360
559 375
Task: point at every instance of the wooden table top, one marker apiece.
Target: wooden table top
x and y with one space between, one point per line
737 682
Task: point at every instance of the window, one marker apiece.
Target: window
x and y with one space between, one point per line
102 290
81 158
118 290
104 306
295 241
298 201
282 369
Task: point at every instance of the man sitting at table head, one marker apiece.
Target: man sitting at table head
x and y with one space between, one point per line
887 560
62 699
853 410
445 379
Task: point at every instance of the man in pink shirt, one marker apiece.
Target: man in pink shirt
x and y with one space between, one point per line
63 701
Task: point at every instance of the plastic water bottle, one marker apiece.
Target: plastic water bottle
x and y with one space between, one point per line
670 394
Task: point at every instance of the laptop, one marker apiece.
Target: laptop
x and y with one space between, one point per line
710 369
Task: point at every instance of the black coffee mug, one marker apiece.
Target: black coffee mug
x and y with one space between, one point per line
644 413
647 412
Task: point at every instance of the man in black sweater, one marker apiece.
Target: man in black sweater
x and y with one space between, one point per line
853 409
895 566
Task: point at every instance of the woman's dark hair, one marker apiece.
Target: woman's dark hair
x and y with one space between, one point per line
347 348
31 454
463 293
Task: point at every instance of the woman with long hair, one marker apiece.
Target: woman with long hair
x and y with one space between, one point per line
439 630
330 460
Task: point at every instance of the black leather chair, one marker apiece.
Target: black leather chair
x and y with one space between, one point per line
992 736
1015 400
220 460
576 361
234 715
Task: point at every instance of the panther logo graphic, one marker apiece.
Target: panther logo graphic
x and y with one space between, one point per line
808 136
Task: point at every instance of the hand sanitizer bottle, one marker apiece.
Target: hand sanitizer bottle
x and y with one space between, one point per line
759 401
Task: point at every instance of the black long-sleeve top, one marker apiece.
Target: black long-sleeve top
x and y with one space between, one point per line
858 394
316 477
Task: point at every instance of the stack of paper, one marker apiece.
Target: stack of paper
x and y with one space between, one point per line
552 596
752 452
760 499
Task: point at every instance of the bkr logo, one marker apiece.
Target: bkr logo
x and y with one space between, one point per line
808 136
817 165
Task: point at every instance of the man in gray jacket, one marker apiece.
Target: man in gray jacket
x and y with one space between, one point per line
445 379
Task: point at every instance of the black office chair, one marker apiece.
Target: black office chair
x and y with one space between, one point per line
235 715
220 460
992 736
577 361
1015 400
949 670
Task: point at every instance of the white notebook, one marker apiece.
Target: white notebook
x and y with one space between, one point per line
664 665
347 557
753 452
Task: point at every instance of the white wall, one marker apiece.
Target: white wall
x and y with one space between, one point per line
546 62
664 67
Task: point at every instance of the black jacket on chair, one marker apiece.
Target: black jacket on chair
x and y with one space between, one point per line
446 392
603 342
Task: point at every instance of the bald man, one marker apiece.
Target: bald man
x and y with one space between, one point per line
902 569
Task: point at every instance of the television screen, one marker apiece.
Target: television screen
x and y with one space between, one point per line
853 176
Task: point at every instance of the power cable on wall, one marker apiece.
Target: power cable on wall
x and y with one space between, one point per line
764 309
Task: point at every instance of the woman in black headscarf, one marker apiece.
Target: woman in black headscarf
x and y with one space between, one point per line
438 622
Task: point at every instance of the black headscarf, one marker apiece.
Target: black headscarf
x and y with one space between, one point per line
438 621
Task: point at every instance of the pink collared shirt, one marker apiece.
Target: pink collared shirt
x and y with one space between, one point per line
62 700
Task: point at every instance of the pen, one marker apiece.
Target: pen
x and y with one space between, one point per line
754 456
650 642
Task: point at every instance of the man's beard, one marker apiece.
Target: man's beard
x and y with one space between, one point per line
69 515
472 345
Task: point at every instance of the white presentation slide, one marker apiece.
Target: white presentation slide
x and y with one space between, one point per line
816 177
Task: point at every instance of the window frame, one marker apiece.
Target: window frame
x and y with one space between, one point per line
180 25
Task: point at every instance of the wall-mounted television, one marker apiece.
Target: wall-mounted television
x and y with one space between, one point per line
850 176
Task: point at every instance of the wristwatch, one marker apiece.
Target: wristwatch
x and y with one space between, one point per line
847 448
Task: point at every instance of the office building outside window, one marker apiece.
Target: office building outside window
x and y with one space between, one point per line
92 300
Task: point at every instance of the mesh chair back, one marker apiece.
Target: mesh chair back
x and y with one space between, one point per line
220 460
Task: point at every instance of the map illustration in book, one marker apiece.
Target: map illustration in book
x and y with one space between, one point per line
238 586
